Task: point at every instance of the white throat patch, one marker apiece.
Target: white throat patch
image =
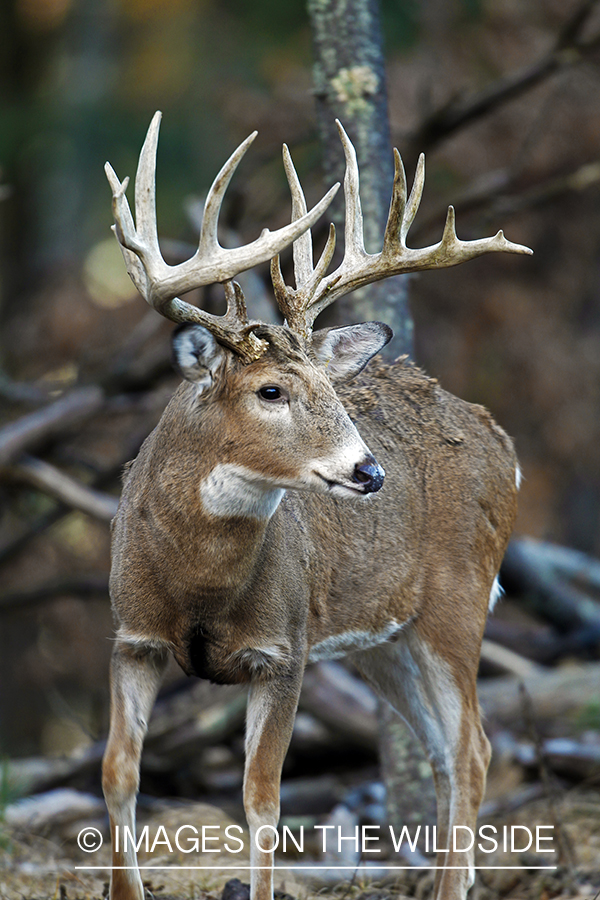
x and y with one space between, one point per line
231 491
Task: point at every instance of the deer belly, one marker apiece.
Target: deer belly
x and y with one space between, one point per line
337 645
205 655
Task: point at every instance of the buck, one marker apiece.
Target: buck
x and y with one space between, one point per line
239 546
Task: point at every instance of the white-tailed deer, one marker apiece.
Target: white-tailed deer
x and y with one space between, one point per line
237 546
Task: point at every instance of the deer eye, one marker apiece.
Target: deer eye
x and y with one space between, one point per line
272 394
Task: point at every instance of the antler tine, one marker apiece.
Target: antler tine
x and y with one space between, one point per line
124 229
397 203
160 283
214 198
359 268
414 200
353 226
145 191
302 248
295 303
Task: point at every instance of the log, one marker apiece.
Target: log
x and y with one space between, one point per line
33 429
544 573
573 759
342 702
186 721
507 660
539 643
554 693
62 487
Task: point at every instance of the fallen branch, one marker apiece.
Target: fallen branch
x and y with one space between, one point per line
543 574
21 392
573 759
69 491
37 427
507 660
554 693
342 702
186 721
539 643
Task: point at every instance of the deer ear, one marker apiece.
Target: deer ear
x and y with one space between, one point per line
345 351
196 354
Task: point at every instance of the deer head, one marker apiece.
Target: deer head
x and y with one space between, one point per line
271 370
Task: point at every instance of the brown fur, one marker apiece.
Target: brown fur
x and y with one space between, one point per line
244 599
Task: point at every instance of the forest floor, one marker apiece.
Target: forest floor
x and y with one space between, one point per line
47 866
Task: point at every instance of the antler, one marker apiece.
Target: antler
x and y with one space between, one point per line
315 291
160 283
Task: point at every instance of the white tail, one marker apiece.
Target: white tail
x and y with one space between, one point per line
237 547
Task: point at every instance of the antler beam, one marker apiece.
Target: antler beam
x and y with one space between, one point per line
314 291
160 284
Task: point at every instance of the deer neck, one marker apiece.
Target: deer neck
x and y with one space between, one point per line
209 521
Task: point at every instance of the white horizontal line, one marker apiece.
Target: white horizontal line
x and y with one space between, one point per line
312 868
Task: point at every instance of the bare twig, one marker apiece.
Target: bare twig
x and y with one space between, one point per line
68 490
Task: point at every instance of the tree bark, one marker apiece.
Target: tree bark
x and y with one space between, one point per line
350 85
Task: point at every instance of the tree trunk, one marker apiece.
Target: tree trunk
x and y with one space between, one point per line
350 85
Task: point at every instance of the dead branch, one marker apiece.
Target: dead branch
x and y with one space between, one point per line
37 427
573 759
21 392
543 573
570 48
41 773
491 194
63 487
554 693
507 660
539 643
104 477
554 560
196 717
566 850
341 701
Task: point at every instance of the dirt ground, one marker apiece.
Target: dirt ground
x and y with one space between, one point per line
43 863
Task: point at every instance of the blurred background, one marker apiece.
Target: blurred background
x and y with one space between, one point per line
504 97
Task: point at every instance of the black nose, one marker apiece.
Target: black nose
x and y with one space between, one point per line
370 475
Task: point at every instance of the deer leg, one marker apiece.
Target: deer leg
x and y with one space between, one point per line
272 708
441 707
135 678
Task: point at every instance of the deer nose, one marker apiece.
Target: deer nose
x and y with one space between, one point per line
370 475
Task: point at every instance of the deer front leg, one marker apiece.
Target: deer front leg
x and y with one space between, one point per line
135 678
272 708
